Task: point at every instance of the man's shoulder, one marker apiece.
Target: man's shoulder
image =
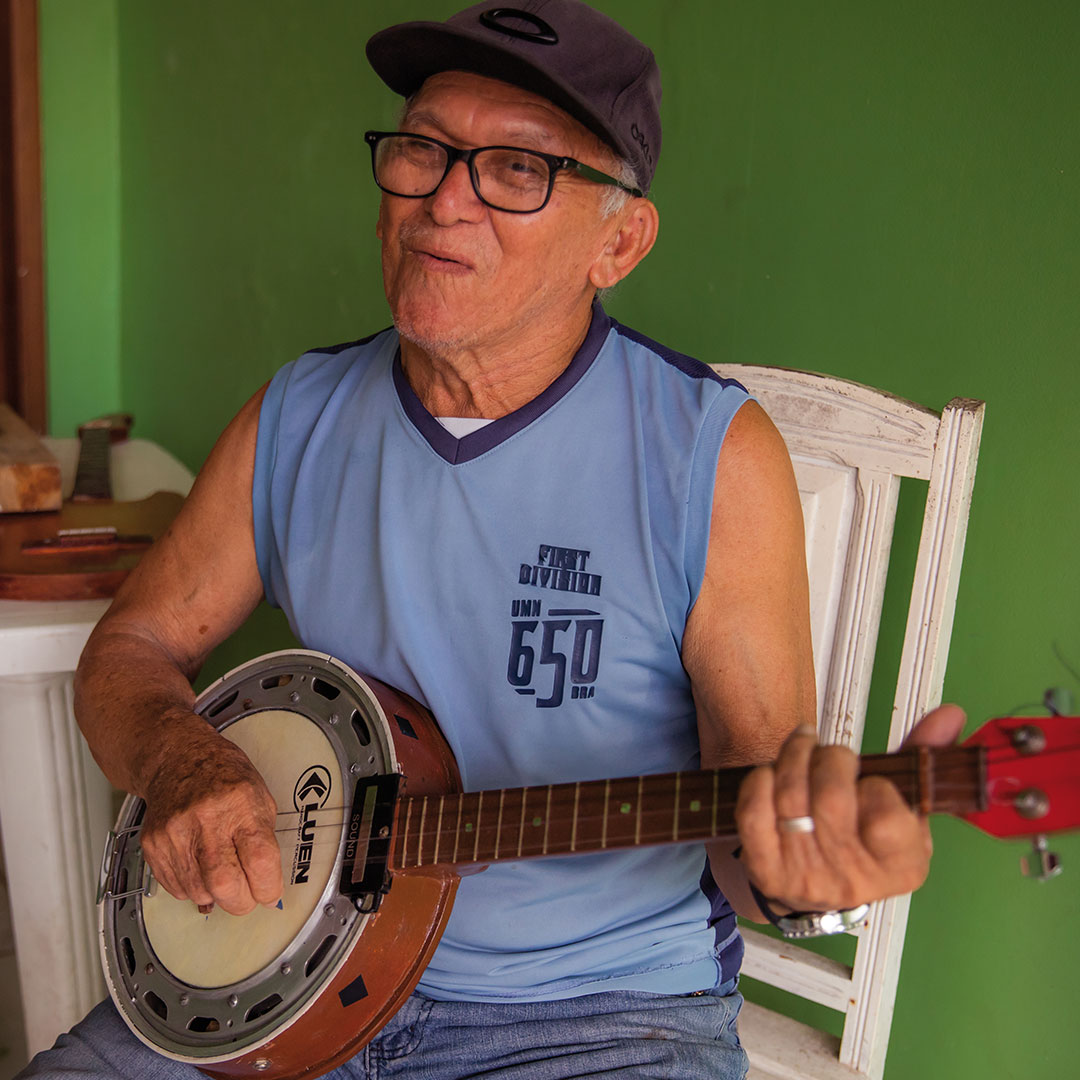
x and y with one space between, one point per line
675 363
328 371
331 363
334 350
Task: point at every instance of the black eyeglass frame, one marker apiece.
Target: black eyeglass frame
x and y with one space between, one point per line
454 154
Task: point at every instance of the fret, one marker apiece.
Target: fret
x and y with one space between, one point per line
637 827
467 835
535 829
479 811
547 819
592 815
397 844
655 810
405 838
498 824
510 843
647 811
420 837
457 828
438 829
561 825
521 826
675 815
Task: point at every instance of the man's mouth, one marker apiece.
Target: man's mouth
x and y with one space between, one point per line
440 258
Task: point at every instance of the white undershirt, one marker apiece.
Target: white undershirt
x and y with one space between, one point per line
460 426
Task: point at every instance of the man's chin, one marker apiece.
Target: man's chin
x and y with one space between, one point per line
431 336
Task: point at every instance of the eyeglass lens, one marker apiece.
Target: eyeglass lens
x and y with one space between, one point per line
506 179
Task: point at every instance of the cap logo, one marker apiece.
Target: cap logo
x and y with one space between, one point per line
542 35
639 138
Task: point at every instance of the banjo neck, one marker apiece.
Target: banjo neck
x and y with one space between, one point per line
290 992
483 827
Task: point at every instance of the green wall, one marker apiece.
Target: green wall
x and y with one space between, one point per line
883 192
82 196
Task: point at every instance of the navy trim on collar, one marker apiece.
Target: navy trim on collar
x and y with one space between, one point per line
333 350
686 364
459 451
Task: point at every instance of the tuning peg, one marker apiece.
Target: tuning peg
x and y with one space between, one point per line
1028 739
1041 864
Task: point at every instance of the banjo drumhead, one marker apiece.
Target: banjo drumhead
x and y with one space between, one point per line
301 770
207 988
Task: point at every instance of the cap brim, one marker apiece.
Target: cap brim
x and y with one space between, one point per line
405 56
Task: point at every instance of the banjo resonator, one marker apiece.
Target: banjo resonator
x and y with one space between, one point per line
223 992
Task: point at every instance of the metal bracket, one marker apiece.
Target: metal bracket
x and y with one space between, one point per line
1042 863
109 874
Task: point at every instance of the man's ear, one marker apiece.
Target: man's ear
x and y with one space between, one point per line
638 225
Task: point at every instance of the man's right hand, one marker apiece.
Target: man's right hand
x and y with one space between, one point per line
208 834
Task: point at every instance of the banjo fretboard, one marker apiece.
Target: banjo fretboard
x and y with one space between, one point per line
670 808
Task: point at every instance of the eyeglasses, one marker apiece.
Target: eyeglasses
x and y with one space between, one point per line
503 177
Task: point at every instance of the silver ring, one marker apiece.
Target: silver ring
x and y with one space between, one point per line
795 824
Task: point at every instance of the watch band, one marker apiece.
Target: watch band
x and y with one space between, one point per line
809 924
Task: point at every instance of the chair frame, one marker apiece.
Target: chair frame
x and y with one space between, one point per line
851 446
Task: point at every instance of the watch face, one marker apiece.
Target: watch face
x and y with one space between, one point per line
820 923
831 922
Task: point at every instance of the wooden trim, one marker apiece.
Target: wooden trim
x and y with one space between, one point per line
22 284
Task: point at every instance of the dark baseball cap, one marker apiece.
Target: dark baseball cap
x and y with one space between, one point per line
563 50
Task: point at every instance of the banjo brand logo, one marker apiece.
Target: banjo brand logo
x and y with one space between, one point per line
312 787
309 796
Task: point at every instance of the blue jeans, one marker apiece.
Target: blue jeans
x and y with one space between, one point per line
620 1033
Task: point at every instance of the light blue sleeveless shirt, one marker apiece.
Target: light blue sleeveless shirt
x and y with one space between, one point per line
529 583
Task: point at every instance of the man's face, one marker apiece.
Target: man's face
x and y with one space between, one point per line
459 274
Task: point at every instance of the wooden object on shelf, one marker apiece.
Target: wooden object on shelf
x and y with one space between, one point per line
29 473
84 550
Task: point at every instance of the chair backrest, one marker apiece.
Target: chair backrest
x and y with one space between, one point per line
851 446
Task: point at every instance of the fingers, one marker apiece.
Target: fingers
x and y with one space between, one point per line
894 835
791 791
939 727
260 857
816 836
198 864
222 851
783 863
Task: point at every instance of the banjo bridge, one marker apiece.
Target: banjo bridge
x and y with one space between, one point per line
365 873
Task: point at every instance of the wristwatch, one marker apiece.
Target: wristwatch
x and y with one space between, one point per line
808 924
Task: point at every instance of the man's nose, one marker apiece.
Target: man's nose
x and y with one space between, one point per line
455 198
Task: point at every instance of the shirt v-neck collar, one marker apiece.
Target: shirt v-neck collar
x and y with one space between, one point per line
459 451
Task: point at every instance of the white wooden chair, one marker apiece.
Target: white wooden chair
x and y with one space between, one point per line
851 446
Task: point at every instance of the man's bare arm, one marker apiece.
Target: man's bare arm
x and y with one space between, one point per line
747 642
208 830
748 652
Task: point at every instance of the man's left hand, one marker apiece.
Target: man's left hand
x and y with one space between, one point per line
859 840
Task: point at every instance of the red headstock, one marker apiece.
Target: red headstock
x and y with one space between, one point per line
1032 775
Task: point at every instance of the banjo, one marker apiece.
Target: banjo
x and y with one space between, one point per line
374 832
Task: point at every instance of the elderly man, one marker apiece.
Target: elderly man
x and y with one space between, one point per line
507 447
